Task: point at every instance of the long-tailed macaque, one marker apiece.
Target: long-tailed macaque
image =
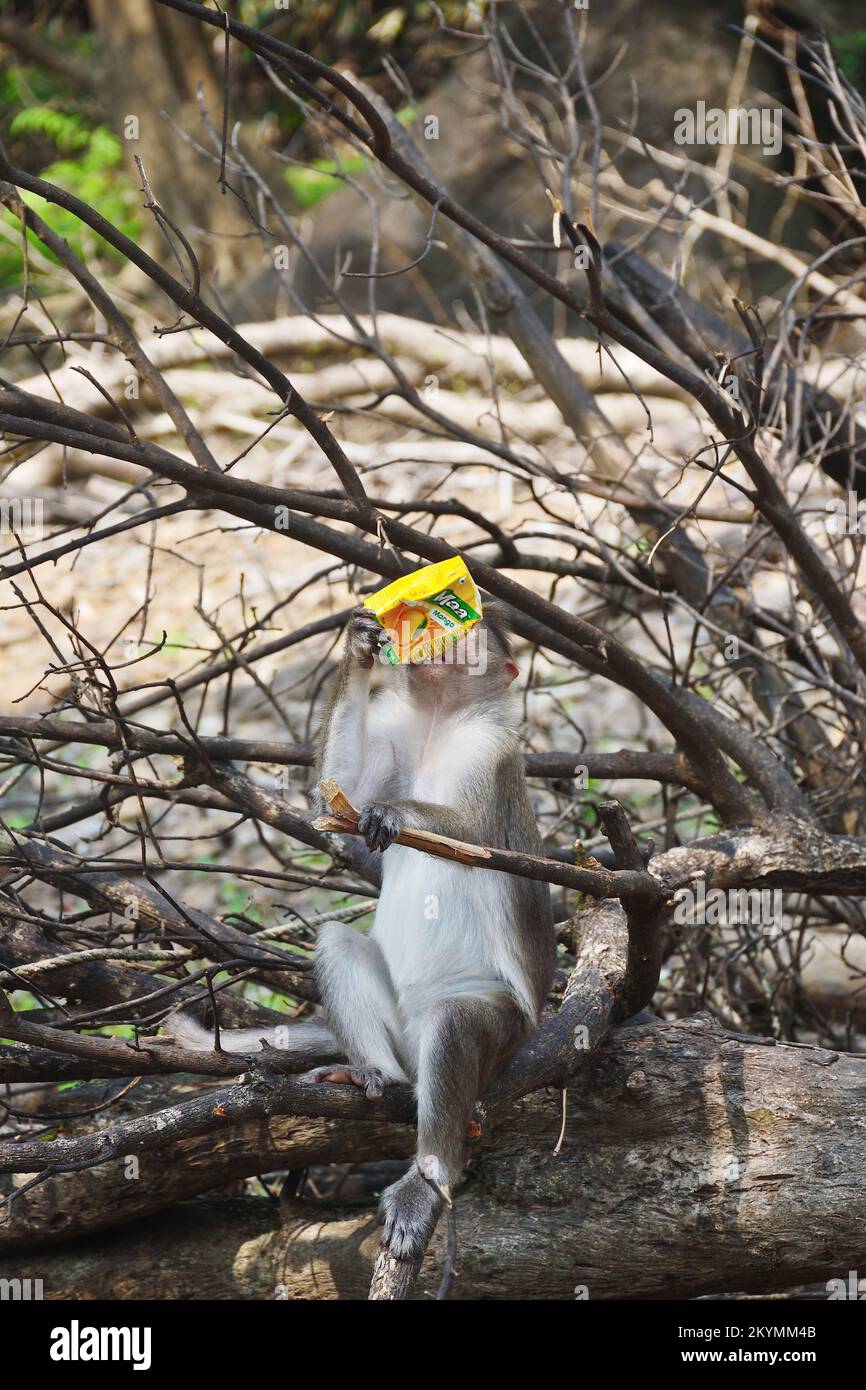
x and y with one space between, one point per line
453 974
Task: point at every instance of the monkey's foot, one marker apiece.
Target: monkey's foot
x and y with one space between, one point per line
411 1208
370 1079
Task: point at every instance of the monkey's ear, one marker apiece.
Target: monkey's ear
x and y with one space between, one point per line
511 669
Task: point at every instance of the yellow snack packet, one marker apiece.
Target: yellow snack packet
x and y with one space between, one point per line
426 611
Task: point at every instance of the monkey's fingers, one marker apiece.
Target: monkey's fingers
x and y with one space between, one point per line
380 825
364 625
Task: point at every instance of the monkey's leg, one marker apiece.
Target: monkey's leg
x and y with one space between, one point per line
464 1041
361 1008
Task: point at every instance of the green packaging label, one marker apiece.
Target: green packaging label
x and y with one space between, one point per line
454 607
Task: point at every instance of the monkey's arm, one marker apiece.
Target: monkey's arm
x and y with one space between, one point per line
486 802
353 749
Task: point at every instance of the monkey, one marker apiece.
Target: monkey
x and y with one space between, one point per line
453 974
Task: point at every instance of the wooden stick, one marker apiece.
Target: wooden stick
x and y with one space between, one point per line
598 883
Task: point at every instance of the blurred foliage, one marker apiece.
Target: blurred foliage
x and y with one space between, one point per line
93 175
312 182
851 52
42 120
61 132
362 29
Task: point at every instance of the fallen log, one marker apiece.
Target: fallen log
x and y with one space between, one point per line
694 1162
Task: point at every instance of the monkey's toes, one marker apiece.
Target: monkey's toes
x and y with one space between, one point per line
410 1209
370 1079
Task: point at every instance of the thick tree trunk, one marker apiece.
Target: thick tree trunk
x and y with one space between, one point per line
694 1161
97 1199
155 62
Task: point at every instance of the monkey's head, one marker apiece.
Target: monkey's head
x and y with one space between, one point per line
474 668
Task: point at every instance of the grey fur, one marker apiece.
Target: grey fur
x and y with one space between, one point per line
441 1003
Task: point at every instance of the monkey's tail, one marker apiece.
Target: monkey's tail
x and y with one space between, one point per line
309 1043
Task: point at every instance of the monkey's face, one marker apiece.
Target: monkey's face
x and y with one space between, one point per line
474 668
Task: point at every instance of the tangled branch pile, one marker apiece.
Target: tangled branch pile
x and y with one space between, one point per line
665 496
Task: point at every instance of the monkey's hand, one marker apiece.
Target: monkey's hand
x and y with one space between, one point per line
380 825
364 636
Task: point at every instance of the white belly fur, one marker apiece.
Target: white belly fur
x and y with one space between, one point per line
442 929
